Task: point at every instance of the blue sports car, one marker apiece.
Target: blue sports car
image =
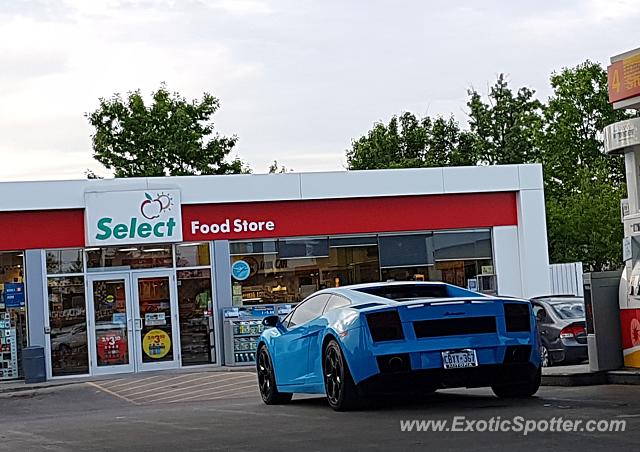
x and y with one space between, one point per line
367 339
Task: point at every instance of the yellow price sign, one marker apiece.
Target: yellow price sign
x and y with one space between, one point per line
623 78
615 80
156 344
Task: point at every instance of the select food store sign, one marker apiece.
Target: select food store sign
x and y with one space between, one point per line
133 217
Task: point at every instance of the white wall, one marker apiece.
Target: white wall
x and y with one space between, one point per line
506 260
521 255
17 196
566 279
532 235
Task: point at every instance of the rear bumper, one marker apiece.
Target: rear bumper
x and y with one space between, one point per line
429 379
366 358
570 353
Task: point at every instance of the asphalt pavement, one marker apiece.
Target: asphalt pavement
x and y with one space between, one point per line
224 412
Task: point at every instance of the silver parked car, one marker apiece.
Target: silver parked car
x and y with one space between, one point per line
562 326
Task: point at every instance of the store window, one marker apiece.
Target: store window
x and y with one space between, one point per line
192 254
110 314
407 257
129 257
67 312
13 314
462 258
303 248
64 261
465 258
419 273
462 245
406 250
289 270
256 247
195 303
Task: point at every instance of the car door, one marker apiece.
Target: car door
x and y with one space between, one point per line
292 346
548 332
316 327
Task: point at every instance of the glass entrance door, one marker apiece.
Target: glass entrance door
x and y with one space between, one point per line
110 317
156 320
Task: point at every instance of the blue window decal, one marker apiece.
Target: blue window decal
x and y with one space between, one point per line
240 270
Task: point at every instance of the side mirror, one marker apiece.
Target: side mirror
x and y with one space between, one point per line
541 315
271 321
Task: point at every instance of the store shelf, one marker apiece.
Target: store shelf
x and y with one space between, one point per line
245 358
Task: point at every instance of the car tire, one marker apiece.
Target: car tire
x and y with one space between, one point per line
519 390
267 380
545 356
341 391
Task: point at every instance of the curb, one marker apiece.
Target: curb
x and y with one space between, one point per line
616 377
623 377
612 377
21 386
583 379
35 387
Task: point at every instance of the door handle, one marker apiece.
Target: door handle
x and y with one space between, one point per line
138 324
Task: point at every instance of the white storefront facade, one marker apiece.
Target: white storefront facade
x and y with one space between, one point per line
140 274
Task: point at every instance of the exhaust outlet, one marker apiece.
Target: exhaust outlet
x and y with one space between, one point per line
396 364
389 364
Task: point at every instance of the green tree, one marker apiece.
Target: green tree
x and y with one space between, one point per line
505 127
574 118
409 142
169 137
584 225
583 186
275 168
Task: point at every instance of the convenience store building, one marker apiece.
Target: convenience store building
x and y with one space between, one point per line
129 275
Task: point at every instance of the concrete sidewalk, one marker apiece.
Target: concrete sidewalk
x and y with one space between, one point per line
20 385
578 375
582 375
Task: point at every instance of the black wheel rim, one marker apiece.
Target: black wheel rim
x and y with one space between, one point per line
544 356
264 373
333 375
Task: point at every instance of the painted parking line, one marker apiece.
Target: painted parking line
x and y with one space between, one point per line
160 384
108 391
130 382
255 393
209 389
241 391
135 383
182 388
187 387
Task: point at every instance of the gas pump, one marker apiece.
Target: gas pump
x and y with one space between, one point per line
624 138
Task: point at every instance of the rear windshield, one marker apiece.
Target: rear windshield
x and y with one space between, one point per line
569 310
407 292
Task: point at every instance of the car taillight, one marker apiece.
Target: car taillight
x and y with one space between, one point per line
516 316
571 331
385 326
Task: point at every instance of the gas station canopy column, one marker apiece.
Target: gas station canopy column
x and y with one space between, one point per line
623 138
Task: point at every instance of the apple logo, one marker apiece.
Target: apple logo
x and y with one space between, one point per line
152 207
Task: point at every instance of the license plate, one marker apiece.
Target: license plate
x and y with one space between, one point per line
459 359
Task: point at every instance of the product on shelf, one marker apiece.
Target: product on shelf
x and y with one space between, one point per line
8 349
243 326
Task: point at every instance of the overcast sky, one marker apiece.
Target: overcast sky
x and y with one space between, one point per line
298 80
